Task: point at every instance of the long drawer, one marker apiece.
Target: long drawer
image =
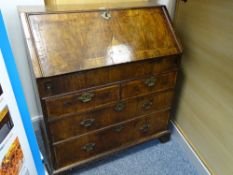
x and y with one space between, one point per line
74 125
104 140
81 80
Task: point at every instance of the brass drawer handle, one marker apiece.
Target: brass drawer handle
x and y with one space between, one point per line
86 97
145 128
119 107
147 104
87 122
88 147
118 128
150 82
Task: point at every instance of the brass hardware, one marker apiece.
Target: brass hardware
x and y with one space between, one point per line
106 15
147 104
48 86
89 147
119 107
145 128
118 128
87 122
150 82
86 97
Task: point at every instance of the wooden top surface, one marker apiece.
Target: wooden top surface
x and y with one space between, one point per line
61 42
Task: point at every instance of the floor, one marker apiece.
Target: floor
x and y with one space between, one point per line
150 158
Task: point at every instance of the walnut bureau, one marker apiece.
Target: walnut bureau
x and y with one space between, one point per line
105 78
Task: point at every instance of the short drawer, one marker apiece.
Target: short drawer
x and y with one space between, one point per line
93 144
80 102
79 124
148 85
86 79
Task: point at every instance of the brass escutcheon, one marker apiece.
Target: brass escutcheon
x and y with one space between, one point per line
150 82
119 107
145 128
86 97
89 147
87 122
106 15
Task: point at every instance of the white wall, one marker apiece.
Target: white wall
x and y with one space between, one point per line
16 37
170 4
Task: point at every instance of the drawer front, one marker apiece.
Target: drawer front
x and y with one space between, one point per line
80 102
72 82
105 140
150 103
140 69
79 124
148 85
86 79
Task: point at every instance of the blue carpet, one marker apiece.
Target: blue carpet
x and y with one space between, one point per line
150 158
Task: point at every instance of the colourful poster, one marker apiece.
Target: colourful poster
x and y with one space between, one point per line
19 153
6 123
12 161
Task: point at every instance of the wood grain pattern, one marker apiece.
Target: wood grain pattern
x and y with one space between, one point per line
31 49
110 138
149 103
73 103
70 126
86 79
205 113
60 39
113 151
148 85
101 73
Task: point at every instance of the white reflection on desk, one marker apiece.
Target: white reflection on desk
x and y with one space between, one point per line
119 53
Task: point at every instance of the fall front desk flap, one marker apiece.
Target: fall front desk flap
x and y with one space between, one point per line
61 42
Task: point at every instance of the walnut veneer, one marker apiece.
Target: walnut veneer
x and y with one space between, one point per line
105 78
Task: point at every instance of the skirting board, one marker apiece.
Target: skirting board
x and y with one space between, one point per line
201 168
42 158
193 157
36 122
